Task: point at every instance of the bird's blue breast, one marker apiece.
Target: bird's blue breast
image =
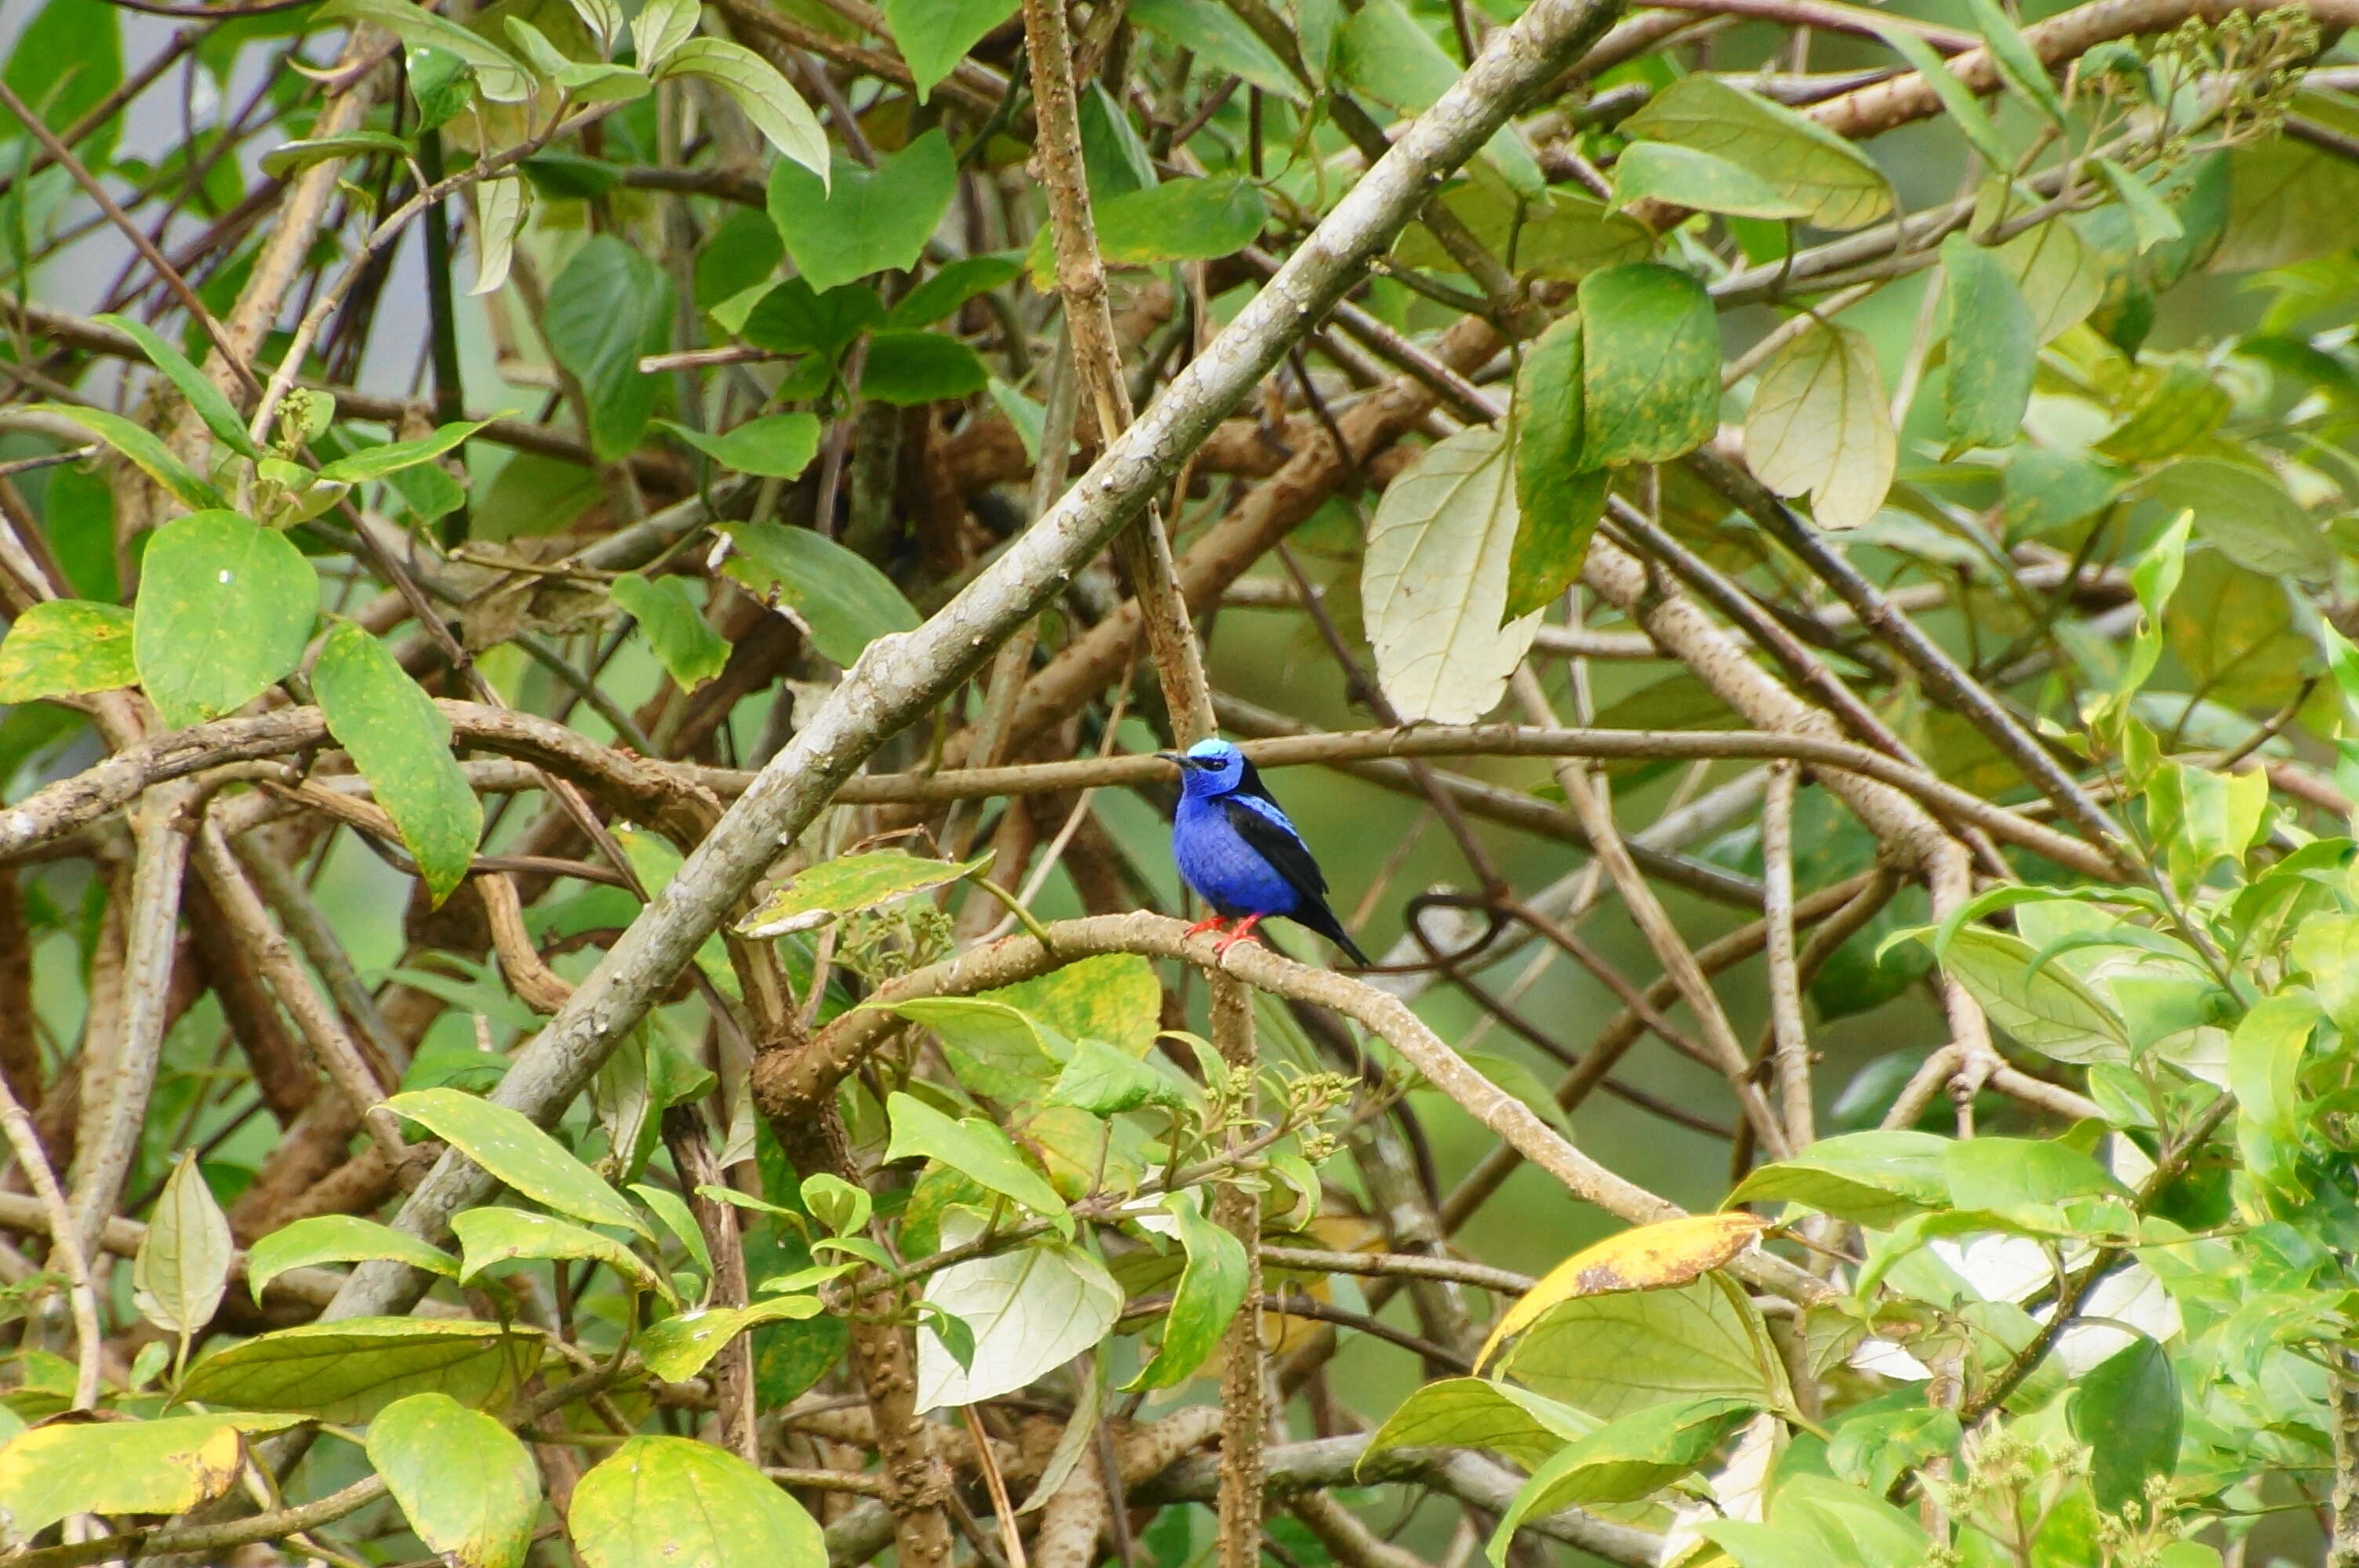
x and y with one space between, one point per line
1230 874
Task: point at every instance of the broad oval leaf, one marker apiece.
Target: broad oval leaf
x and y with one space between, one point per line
468 1487
1114 997
1211 1289
1434 586
1649 1256
773 446
976 1150
1874 1179
1820 175
401 744
1181 220
1690 176
1559 494
691 651
1476 1412
1628 1459
1994 348
995 1051
2245 513
2052 1012
610 306
847 884
1610 1355
349 1369
1031 1310
1819 424
683 1504
488 1237
166 1466
2127 1411
776 110
863 221
846 602
338 1239
934 35
509 1146
1650 364
905 369
678 1347
182 1267
225 609
62 647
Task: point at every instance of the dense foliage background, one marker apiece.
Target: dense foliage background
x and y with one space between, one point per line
590 969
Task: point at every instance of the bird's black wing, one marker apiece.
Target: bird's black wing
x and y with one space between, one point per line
1285 851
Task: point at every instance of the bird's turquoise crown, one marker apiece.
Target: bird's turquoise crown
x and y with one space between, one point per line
1212 751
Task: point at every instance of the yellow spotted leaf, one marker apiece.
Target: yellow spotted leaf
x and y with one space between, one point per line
1651 1258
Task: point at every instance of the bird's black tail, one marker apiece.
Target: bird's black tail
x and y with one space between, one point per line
1315 916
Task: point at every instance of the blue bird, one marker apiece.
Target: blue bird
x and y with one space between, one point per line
1239 852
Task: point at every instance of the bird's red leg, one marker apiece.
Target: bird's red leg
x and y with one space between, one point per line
1210 923
1244 932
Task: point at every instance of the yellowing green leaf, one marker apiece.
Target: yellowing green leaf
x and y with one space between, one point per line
165 1467
848 884
1650 364
1650 1256
685 1504
520 1154
1811 172
349 1369
401 744
337 1239
225 609
64 646
468 1487
691 652
1819 424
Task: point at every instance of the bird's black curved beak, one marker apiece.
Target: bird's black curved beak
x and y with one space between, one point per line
1179 760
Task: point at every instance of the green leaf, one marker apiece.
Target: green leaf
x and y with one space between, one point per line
212 405
1815 1521
1623 1461
182 1269
1819 423
1558 494
225 609
1434 585
349 1369
793 318
488 1237
681 1346
2127 1411
691 652
2287 202
1179 220
840 1205
1873 1179
845 603
1030 1310
501 204
1994 348
376 462
1610 1355
2052 1012
498 74
994 1050
661 28
507 1144
401 744
1958 100
1105 1082
1559 236
847 884
468 1487
976 1150
2151 219
685 1504
1811 172
1875 1448
1386 54
338 1239
1220 39
2009 1173
1114 997
1688 176
1211 1290
2265 1060
934 35
2246 515
905 369
290 157
1476 1412
867 220
611 305
68 57
763 95
140 445
2061 279
165 1467
60 647
2014 61
773 446
953 286
1650 364
670 1208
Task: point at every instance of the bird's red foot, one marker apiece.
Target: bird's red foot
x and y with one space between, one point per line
1244 932
1210 923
